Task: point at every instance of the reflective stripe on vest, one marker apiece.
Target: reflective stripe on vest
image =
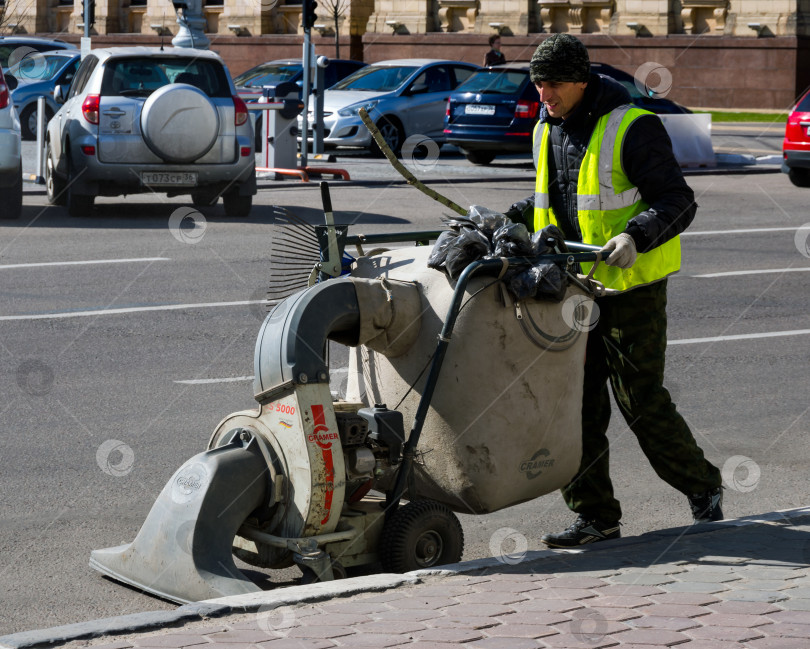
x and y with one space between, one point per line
606 200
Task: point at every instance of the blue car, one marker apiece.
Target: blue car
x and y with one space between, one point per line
37 77
251 84
494 111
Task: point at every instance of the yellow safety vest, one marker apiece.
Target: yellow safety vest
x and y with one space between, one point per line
606 201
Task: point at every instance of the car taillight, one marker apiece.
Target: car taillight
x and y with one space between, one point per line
240 114
526 109
90 108
447 112
4 97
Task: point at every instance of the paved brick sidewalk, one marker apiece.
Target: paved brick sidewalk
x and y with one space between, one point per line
712 587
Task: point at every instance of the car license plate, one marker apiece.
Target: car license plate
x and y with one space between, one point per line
479 109
169 177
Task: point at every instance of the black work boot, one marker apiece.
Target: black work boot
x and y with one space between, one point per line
581 532
707 506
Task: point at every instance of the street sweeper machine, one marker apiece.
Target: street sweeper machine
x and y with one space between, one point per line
464 395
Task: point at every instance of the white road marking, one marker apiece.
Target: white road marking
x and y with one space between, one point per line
139 309
718 339
339 370
83 263
698 233
233 379
754 272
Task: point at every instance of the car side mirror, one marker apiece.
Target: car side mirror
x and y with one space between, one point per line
11 82
59 94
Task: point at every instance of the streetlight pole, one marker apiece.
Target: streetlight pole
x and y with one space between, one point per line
191 21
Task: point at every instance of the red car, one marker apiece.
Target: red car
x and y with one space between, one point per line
796 146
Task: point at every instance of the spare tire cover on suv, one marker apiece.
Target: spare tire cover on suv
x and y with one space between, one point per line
179 123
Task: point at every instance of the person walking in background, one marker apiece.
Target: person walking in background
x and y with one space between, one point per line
494 56
606 175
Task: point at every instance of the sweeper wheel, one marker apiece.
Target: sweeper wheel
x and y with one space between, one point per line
421 534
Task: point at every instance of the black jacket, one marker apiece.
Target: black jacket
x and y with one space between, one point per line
647 160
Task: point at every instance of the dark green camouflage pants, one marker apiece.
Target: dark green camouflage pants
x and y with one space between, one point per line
627 347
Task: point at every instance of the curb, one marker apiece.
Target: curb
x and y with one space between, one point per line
268 600
200 611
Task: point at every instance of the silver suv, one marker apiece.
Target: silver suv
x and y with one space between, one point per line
10 155
143 119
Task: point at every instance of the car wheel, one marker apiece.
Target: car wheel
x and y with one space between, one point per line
54 185
77 204
203 199
28 121
392 134
480 157
237 205
13 202
799 177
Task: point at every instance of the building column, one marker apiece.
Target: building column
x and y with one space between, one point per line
404 17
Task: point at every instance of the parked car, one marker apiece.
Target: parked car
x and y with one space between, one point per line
796 145
25 46
404 97
10 154
38 78
250 85
144 119
657 105
495 110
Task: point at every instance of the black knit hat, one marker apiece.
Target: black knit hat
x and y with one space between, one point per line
561 57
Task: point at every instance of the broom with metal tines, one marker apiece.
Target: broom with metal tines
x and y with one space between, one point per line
294 253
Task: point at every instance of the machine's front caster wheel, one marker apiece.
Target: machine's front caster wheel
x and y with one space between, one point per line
422 534
309 576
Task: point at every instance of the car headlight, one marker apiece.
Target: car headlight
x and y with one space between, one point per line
355 109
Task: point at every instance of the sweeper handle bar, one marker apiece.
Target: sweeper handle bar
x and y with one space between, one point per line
483 266
425 236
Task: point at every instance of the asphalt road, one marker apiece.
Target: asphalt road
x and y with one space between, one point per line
97 408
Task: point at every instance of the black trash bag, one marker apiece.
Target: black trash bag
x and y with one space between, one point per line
542 281
439 253
512 240
469 246
541 237
487 220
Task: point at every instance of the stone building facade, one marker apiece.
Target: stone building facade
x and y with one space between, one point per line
720 53
358 17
